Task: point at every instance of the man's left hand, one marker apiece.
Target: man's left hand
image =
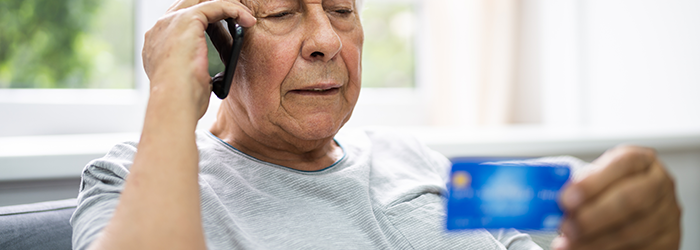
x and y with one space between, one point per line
629 203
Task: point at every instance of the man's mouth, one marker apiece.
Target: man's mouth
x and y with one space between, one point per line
325 90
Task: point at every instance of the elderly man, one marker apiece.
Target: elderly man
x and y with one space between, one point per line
273 172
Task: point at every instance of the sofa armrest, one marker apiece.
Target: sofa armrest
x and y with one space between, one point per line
43 225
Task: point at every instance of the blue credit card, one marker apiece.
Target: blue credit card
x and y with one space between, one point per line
496 193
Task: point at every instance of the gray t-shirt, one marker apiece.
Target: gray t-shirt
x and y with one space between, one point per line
385 193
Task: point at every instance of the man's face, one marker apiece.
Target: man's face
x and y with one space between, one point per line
299 69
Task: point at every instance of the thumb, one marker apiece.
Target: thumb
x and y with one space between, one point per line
560 243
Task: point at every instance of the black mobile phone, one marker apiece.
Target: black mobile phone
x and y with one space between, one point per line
222 86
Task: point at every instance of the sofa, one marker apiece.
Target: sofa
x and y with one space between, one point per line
43 225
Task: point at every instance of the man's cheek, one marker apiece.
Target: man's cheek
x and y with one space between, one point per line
352 59
270 64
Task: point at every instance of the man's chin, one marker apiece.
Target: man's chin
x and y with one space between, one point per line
313 133
317 128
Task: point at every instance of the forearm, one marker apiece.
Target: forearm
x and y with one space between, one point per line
159 207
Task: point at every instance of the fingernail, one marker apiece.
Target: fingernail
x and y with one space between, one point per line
569 229
560 243
572 197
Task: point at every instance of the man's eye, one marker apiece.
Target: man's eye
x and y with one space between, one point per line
343 11
281 14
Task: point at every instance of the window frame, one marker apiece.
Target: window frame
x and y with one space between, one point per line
36 112
32 112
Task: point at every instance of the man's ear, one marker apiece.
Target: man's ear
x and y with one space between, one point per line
221 39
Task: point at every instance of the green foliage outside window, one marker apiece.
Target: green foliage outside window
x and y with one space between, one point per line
66 44
388 55
215 64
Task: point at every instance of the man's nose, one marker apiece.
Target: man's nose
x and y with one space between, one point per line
322 41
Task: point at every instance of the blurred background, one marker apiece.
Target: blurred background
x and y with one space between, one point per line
468 77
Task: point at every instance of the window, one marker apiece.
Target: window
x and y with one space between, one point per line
68 67
389 49
393 72
67 44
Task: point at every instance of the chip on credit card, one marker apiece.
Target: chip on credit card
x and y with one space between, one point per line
497 193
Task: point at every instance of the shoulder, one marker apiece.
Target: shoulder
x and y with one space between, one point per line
378 134
408 148
384 139
402 167
121 156
116 162
108 173
390 144
102 181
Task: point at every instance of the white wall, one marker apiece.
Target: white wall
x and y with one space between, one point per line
641 62
609 63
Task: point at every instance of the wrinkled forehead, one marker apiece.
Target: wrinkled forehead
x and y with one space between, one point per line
256 3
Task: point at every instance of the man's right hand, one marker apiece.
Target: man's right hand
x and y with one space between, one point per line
175 50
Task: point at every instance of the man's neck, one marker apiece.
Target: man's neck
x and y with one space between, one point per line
281 149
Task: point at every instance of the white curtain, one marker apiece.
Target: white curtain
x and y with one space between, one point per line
474 45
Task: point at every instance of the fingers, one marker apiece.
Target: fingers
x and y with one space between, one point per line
645 230
181 4
633 197
560 243
618 163
212 19
216 10
629 204
670 240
